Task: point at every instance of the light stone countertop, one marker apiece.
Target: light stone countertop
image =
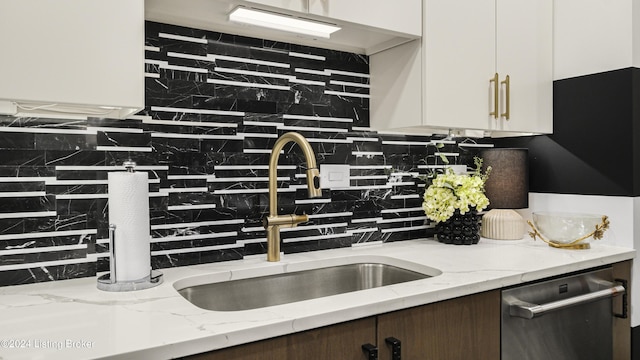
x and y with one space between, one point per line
72 319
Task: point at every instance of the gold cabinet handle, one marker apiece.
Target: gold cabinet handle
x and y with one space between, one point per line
495 113
506 112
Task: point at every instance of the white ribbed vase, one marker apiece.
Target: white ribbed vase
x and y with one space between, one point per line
502 224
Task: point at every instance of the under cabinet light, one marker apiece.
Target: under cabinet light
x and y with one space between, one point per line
282 22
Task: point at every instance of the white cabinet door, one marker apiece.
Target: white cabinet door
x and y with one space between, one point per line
465 43
524 52
75 53
459 60
402 16
293 5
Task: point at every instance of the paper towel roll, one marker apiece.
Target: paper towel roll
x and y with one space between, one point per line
129 211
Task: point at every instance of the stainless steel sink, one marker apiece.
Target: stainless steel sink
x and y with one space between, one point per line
257 292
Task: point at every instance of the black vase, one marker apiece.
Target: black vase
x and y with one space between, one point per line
459 229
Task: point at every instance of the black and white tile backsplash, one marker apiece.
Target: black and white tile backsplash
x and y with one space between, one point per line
215 105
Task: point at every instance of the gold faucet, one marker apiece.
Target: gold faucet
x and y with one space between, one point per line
274 222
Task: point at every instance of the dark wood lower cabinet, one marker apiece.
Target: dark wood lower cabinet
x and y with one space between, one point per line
341 341
464 328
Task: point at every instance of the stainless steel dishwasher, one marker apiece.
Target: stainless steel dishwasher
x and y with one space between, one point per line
565 318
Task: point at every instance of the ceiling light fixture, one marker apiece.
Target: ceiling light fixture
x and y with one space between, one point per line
282 22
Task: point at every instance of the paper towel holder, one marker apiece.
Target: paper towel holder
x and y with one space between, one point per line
108 281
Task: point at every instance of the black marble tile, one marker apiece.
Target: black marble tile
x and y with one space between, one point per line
181 61
193 258
17 141
42 257
158 202
402 161
72 174
74 158
211 102
248 93
42 123
314 245
117 158
76 189
22 158
191 198
396 236
65 142
216 214
366 237
296 108
166 92
168 148
348 62
334 154
151 30
420 234
221 146
275 46
230 49
363 209
347 195
221 255
214 150
307 63
22 186
161 217
12 226
77 206
221 37
174 244
76 222
27 204
49 273
355 108
245 204
183 74
102 264
41 224
257 106
114 138
217 130
255 248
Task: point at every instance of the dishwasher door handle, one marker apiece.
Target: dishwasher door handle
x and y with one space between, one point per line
527 310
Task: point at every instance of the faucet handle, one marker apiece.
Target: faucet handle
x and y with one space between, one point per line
297 219
290 220
313 183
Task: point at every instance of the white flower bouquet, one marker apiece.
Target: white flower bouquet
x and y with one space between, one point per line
449 192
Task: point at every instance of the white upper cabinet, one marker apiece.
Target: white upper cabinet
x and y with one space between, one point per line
402 16
72 57
459 59
594 36
468 51
525 54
